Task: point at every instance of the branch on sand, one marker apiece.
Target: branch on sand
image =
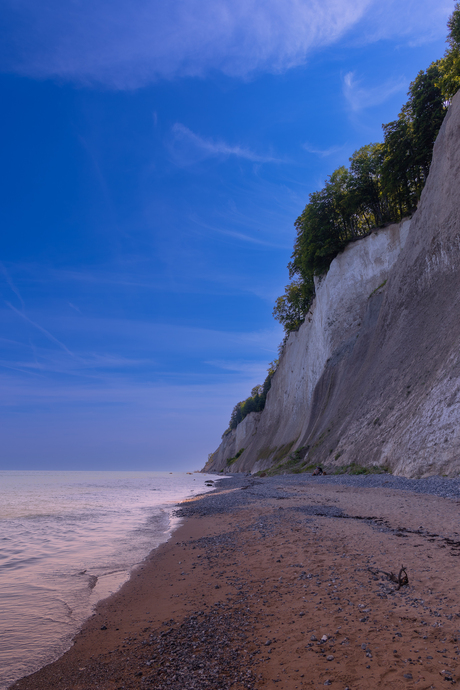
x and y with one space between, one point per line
401 579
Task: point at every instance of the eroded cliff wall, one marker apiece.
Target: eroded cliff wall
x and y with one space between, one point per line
373 375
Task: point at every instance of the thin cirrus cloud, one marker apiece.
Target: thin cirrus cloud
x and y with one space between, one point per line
125 44
49 335
189 147
323 153
413 21
11 284
235 234
359 97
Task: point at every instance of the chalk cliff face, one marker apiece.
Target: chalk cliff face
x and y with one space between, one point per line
373 375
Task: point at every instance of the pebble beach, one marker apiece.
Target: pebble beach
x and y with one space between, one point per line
285 582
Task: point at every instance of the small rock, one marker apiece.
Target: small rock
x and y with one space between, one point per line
313 638
330 657
324 638
103 627
268 643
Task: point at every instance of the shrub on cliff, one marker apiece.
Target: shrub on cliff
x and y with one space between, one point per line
290 308
255 402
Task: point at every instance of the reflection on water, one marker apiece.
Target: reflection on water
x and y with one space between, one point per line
68 539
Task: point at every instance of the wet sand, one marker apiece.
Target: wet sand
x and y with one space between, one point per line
277 593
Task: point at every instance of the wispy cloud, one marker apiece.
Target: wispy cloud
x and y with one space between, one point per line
241 236
413 21
74 307
124 344
11 284
36 325
208 147
126 44
323 153
255 370
85 364
359 97
129 43
128 389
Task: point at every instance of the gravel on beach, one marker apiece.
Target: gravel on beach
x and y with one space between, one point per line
283 486
284 583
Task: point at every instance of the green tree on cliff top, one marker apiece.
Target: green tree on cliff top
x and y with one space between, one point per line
449 66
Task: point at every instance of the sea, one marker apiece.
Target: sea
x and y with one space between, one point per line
68 540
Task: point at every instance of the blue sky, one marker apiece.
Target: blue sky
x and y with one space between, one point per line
155 158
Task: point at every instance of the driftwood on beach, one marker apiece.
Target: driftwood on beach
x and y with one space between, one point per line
401 579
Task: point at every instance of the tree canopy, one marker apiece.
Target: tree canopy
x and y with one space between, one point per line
449 82
382 183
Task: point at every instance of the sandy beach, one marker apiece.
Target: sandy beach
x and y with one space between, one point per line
282 589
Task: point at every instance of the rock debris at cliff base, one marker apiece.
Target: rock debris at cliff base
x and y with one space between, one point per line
276 592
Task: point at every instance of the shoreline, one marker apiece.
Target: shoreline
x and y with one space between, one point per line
72 539
260 568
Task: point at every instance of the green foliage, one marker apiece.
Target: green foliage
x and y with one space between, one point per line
230 461
453 24
382 184
272 367
426 111
346 208
255 402
408 144
292 307
449 66
379 287
397 174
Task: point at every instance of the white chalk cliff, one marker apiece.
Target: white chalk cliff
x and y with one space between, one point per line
373 375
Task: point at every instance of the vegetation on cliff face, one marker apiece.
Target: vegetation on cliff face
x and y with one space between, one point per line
450 64
255 402
382 184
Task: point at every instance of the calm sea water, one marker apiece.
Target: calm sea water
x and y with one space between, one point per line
67 540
